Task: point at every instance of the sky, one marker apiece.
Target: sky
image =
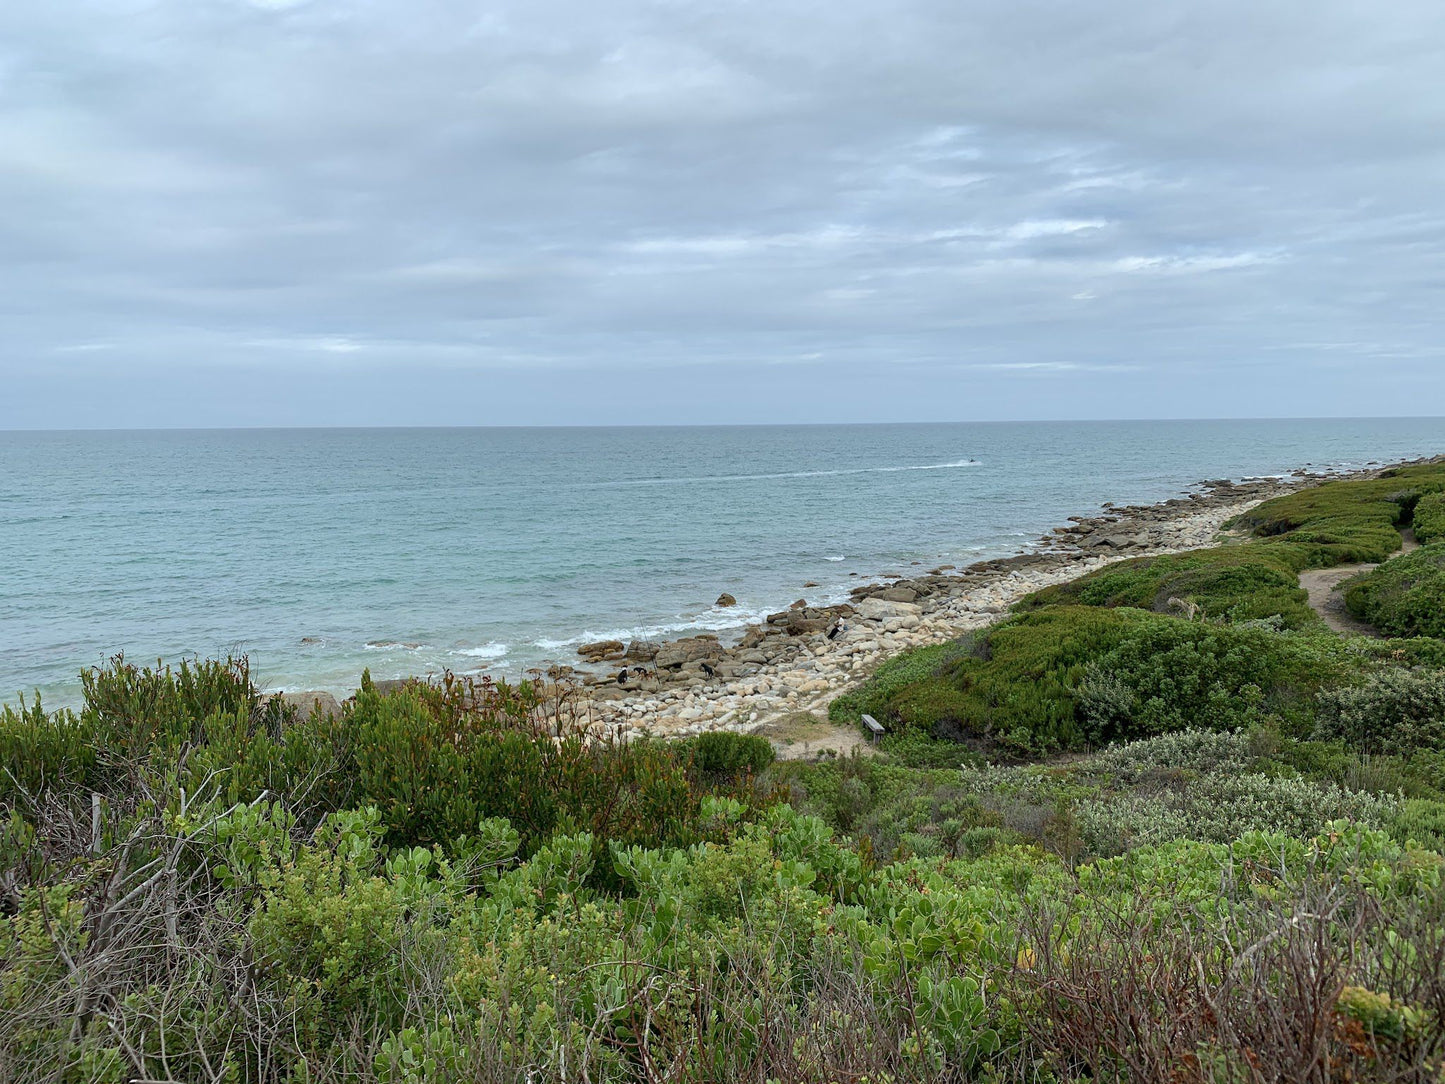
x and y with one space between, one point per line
413 212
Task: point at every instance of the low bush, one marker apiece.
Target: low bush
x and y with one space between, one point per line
1065 676
1394 711
1345 521
1404 596
1221 806
725 754
1233 583
1429 519
899 672
195 724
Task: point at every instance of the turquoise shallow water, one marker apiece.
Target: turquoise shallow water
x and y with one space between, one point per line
320 552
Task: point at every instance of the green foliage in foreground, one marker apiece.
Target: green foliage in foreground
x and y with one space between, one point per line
352 901
1062 677
1405 596
1234 583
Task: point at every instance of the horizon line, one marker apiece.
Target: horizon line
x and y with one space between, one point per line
723 425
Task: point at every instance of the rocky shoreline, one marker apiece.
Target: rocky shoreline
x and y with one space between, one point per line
799 659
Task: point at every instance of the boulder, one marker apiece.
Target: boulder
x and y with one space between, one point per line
1112 541
801 604
800 624
313 700
675 654
601 649
753 637
642 651
878 609
725 599
897 594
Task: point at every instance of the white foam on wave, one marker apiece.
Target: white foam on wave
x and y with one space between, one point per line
716 620
487 652
954 465
835 560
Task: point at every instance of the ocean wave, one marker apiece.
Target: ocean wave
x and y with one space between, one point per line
487 652
835 560
954 465
711 621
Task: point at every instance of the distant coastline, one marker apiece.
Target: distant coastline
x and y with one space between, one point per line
319 553
797 660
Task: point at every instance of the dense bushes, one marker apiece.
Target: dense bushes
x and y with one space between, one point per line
1404 596
1429 520
776 952
1395 711
1345 521
195 724
1063 676
1234 583
725 754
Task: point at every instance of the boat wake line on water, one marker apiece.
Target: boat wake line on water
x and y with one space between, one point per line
786 474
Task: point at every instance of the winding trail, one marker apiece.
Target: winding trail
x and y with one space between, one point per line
1322 585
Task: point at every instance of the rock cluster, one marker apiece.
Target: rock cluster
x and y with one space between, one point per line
800 658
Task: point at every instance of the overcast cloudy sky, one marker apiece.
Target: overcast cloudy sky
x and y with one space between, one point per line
237 212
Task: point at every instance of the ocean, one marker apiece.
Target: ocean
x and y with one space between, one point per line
321 552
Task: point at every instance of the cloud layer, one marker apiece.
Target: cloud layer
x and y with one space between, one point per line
431 211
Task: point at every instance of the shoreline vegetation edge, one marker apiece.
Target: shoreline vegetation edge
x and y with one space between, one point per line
792 665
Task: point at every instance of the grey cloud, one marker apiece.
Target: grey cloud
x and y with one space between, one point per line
1001 209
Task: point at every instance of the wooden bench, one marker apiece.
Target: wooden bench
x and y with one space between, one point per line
875 728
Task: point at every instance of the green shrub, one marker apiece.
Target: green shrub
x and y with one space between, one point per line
1420 821
1345 521
1404 596
1394 711
1063 676
721 754
196 725
1236 583
1222 806
1429 520
437 759
1189 750
42 753
899 672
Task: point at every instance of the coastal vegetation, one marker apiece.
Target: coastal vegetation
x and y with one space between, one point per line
1405 596
1161 824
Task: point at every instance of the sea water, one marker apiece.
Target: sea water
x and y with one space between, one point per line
321 552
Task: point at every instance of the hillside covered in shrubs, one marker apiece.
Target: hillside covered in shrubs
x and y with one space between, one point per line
1159 825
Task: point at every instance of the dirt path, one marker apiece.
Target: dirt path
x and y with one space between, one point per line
1322 585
